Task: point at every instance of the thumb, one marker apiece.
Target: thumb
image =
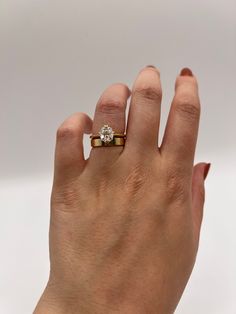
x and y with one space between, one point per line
200 172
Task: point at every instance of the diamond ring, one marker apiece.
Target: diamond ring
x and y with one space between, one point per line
107 137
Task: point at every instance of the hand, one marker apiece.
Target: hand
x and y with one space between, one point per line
125 223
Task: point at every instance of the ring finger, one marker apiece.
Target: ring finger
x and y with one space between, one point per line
110 110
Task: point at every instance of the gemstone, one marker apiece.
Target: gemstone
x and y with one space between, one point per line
106 134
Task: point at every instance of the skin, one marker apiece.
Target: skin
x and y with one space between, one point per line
125 223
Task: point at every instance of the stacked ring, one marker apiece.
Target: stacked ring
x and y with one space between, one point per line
107 137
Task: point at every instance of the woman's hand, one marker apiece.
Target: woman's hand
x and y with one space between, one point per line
125 223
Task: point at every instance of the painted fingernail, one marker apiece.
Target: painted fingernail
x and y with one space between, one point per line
206 170
186 72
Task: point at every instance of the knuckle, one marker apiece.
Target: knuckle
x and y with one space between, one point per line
110 106
66 131
176 188
80 116
148 92
135 180
187 107
64 198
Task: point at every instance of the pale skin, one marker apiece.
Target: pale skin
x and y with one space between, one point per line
125 222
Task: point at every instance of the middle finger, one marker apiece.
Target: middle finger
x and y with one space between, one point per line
144 113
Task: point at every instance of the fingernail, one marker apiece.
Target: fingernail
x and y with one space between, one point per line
88 130
150 66
153 67
206 170
88 126
186 72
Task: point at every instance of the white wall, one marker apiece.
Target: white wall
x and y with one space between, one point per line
56 58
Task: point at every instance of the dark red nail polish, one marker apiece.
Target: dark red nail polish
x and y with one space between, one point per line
206 170
186 72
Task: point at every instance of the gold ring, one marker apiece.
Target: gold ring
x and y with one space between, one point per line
107 137
116 141
114 135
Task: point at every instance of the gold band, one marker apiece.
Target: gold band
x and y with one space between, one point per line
114 135
117 141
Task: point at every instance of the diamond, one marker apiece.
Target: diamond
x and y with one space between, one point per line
106 134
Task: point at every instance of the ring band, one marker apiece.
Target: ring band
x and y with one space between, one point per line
116 141
107 137
114 135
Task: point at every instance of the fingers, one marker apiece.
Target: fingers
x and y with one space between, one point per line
110 110
69 153
144 112
200 172
180 135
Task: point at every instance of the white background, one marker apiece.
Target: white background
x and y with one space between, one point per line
56 58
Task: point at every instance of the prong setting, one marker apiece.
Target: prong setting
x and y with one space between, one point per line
106 134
